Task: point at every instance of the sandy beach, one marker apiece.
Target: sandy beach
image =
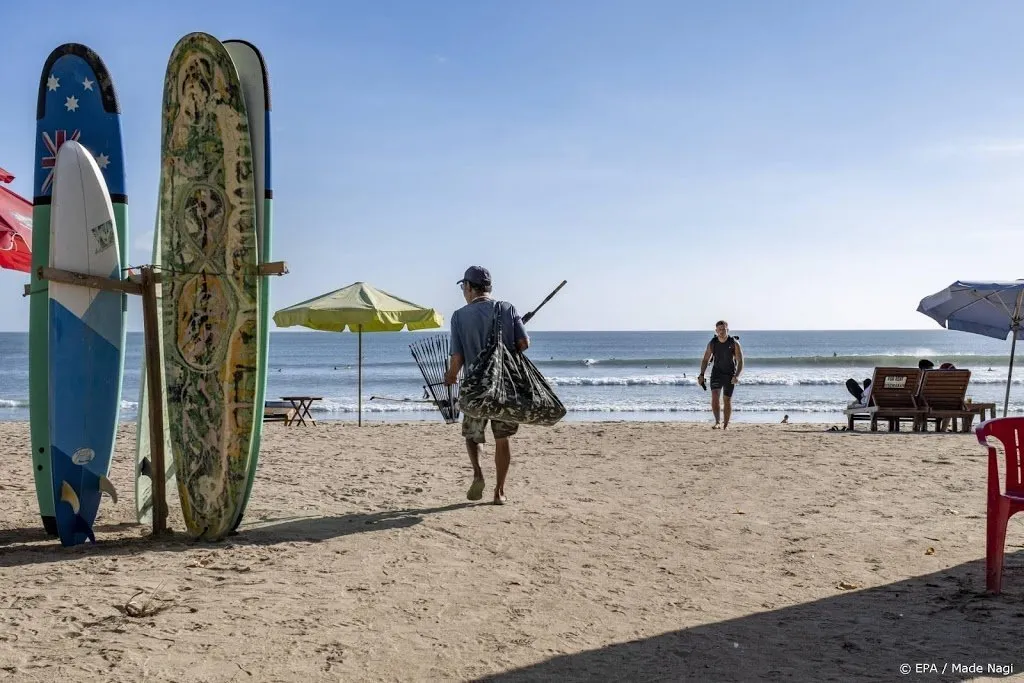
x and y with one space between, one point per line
628 551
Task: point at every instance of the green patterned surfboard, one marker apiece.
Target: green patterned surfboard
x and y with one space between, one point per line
210 285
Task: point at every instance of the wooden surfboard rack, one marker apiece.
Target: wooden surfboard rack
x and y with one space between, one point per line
144 284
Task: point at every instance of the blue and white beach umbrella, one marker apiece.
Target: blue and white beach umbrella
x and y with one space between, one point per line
991 309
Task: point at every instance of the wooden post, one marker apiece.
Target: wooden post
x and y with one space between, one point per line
154 376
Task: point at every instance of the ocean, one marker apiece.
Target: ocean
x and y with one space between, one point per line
598 375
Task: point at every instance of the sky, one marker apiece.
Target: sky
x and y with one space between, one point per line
782 165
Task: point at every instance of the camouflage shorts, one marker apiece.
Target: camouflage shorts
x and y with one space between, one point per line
473 429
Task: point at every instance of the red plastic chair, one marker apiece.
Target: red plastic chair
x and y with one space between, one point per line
1001 505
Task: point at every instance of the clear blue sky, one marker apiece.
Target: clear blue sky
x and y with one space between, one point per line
784 165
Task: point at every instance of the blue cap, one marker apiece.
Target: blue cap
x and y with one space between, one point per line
476 275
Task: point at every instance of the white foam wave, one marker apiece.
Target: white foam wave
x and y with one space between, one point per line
641 380
749 379
679 380
329 405
701 408
23 403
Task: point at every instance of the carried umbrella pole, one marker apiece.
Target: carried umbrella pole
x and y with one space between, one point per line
529 316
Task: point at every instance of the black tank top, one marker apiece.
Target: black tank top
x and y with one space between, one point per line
725 356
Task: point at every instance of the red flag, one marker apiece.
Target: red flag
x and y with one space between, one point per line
15 228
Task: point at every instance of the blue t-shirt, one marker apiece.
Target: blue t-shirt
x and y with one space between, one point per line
471 325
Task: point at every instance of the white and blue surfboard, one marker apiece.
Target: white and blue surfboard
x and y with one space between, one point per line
86 343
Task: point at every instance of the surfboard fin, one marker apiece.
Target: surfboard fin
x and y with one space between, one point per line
68 495
108 487
146 468
81 527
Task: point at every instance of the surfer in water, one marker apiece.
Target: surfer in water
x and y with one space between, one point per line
725 371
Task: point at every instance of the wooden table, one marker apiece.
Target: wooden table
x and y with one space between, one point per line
981 408
302 405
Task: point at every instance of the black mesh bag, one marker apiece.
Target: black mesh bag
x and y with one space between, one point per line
505 385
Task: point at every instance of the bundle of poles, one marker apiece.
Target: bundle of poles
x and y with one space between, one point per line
431 356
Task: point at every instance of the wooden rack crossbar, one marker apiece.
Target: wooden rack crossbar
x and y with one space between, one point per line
133 284
263 270
144 284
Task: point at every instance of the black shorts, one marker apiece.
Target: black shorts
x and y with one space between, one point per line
723 382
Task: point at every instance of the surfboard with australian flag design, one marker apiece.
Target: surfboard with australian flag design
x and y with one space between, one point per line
76 101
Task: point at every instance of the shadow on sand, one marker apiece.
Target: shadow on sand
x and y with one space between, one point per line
940 618
33 546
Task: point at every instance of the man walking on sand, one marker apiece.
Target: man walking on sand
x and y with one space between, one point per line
725 371
471 325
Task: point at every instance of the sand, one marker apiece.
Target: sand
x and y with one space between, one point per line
627 551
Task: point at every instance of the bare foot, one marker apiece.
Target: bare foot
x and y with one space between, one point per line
499 498
725 425
717 426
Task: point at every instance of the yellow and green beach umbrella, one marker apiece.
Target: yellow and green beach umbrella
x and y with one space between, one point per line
360 307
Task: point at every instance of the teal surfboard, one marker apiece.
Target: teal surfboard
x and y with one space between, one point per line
252 72
76 101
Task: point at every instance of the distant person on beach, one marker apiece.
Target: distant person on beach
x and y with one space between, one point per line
470 327
725 370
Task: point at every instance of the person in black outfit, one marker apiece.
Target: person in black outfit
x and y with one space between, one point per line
860 394
725 371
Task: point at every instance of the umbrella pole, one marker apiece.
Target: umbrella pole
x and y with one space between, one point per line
1009 374
360 375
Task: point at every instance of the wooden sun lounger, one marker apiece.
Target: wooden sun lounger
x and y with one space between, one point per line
893 398
942 393
279 411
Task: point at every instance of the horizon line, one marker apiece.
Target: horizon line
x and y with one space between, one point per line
301 330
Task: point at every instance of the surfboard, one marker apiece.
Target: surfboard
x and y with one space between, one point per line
252 72
76 101
209 258
86 343
143 455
